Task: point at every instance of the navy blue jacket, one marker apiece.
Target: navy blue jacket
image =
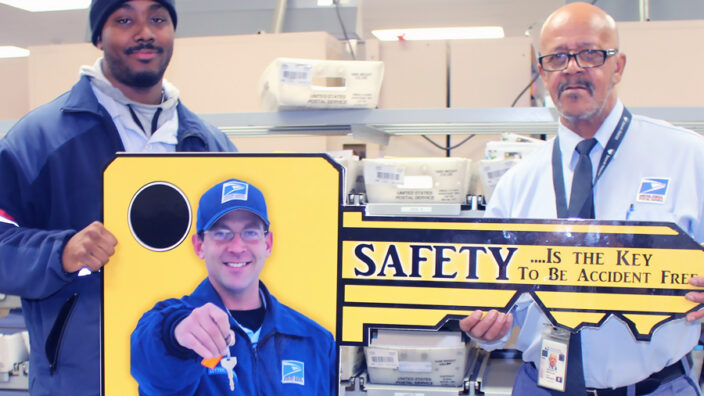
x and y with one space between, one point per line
51 173
294 355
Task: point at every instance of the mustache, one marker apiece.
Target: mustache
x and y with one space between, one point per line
147 46
587 84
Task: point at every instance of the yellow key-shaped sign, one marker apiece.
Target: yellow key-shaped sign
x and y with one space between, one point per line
420 272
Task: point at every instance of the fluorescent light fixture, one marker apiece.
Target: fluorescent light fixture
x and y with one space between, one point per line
448 33
47 5
10 51
326 3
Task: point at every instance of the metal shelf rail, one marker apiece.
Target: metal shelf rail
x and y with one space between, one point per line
377 125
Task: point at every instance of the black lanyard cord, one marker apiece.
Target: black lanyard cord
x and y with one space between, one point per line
155 119
558 179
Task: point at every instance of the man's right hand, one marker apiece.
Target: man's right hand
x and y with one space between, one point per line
205 331
492 327
91 247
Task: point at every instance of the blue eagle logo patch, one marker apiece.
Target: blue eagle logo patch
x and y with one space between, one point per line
292 372
653 189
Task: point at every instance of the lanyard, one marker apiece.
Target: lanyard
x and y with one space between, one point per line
558 179
155 119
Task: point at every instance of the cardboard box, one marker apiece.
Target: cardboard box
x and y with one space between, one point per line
416 73
291 83
231 84
471 61
416 180
419 358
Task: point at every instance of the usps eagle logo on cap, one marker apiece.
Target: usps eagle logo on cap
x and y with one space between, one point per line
292 372
653 189
234 190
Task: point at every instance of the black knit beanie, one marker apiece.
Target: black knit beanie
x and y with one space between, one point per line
100 10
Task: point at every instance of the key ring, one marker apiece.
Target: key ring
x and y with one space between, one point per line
230 339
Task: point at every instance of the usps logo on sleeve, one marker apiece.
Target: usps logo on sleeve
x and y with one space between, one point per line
234 190
292 372
653 189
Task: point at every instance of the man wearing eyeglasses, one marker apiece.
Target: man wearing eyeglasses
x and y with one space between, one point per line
278 351
643 169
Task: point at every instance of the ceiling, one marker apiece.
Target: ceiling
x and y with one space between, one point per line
224 17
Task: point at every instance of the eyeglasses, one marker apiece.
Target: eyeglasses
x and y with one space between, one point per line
584 58
247 235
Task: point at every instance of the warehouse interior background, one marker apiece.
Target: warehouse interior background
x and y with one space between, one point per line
435 94
223 46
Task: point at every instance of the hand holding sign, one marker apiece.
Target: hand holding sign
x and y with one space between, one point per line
697 297
490 327
89 248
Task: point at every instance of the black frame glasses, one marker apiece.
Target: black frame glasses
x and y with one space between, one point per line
584 58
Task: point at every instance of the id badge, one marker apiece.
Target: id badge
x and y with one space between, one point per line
553 358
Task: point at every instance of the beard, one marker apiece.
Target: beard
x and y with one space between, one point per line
137 79
580 117
143 79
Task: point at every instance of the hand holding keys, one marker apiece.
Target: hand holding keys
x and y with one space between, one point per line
228 362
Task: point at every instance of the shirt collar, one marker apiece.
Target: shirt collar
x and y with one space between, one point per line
166 134
276 319
570 139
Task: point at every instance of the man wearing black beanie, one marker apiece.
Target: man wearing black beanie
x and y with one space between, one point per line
135 52
52 242
101 9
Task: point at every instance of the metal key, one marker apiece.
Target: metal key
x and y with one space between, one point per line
229 362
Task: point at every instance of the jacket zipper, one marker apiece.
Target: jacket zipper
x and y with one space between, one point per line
52 345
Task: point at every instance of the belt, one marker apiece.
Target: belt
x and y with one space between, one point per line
646 386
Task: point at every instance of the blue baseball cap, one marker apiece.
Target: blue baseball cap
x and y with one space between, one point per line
227 196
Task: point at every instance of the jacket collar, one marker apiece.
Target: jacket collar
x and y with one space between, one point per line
190 125
277 319
82 98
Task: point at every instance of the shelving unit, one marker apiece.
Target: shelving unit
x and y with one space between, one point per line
379 125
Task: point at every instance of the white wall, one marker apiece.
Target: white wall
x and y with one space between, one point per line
221 74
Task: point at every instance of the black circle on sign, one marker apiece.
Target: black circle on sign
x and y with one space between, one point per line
159 216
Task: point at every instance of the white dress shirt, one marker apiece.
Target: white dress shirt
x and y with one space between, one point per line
651 148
